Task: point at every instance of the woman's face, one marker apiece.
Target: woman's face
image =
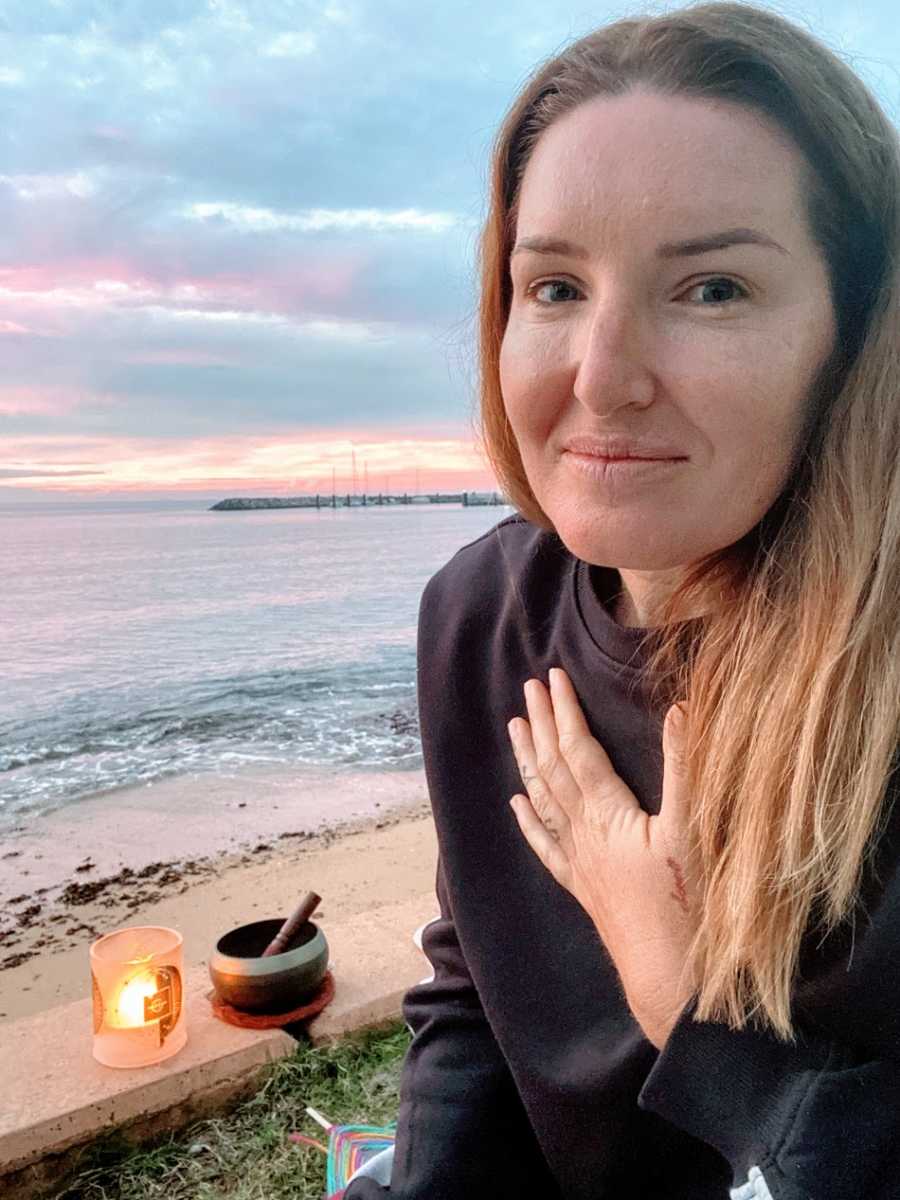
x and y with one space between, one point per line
666 290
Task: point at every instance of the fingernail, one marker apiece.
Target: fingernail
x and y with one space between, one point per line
676 717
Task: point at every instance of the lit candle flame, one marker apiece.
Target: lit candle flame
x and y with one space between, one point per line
132 996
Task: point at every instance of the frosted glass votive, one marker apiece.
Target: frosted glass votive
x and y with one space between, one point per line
137 977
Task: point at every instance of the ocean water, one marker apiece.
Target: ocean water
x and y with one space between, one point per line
143 641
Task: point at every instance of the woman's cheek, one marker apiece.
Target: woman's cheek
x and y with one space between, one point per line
532 375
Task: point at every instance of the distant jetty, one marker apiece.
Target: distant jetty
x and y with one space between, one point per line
350 500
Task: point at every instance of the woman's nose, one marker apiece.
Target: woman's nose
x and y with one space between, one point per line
611 359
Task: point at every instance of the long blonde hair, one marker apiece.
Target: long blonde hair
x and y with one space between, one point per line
793 679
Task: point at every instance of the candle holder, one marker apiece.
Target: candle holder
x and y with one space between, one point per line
139 1016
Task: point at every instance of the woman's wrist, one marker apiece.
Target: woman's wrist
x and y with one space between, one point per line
657 1025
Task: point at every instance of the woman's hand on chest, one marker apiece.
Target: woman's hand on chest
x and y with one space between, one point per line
633 873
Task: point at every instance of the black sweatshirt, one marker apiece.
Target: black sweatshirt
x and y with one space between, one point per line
528 1077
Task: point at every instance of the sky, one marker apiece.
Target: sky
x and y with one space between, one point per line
238 239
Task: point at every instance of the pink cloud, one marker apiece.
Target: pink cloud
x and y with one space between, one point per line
256 465
19 402
47 277
289 287
332 280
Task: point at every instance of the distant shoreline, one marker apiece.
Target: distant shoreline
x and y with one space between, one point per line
365 500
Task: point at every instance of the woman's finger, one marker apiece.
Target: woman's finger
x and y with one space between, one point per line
548 848
674 818
550 762
675 810
548 809
585 758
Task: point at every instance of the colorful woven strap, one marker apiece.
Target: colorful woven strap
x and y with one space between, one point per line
349 1146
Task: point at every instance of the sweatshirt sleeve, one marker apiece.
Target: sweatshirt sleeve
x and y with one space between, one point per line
809 1120
462 1132
817 1118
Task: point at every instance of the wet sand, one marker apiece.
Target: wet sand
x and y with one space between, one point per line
202 854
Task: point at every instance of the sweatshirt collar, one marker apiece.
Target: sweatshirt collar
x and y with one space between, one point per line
596 588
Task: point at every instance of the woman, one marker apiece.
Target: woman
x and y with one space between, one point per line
671 968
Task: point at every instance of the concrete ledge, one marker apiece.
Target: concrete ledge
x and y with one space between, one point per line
374 962
56 1100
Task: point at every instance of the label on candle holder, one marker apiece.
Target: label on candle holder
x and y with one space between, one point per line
98 1003
165 1004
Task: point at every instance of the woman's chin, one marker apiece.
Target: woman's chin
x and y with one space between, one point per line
638 543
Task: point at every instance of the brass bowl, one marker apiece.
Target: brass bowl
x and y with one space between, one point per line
246 980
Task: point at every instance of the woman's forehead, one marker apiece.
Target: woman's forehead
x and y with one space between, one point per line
679 161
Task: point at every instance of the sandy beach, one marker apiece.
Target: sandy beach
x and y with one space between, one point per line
202 854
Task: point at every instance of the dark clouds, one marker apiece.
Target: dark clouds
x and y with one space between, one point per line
125 310
118 121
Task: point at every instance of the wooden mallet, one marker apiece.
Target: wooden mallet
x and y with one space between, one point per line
286 935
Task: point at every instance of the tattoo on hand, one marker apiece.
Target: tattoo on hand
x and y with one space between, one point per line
680 893
548 825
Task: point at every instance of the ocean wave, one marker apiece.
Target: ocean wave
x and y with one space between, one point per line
363 715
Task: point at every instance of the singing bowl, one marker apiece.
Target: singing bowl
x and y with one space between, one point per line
277 984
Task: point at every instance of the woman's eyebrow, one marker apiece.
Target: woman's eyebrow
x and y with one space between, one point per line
685 249
542 245
718 241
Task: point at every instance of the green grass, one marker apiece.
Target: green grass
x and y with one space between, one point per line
246 1155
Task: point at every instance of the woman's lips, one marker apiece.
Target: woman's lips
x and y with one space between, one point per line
620 470
620 446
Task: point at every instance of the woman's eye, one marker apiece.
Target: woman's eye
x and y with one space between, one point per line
552 291
717 291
